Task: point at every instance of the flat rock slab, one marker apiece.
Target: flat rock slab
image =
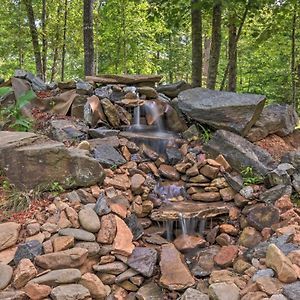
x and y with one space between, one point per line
30 161
239 152
222 110
70 291
189 209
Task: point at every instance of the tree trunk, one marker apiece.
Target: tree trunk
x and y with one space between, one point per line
232 53
63 55
215 45
34 37
88 38
196 43
44 39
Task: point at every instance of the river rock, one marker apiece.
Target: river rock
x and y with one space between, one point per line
222 110
93 248
71 258
149 291
102 206
207 197
6 273
186 243
239 152
280 264
226 256
61 243
249 237
108 156
37 291
89 220
223 291
280 119
9 232
263 216
143 260
168 172
114 268
292 290
24 272
193 294
29 250
33 155
178 278
108 229
94 285
58 277
13 295
78 234
70 291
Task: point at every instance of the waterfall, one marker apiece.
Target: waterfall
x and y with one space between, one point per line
151 108
137 116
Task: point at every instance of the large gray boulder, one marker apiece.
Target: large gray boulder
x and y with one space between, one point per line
275 118
29 161
222 110
239 152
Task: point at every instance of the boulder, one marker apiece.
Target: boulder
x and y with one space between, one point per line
30 161
108 156
239 152
280 119
222 110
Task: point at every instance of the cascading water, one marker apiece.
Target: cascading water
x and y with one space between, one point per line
152 110
191 226
137 117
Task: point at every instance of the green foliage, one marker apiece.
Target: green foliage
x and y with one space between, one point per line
249 176
55 188
5 90
205 134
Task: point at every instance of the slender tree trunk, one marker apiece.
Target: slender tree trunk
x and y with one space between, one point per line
232 53
44 39
236 43
207 45
170 59
123 12
20 48
293 57
215 45
88 37
196 43
34 37
63 55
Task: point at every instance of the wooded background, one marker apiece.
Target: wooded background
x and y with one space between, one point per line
238 45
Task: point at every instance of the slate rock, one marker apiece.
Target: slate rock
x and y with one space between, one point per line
222 110
293 158
149 291
135 227
102 206
102 132
239 152
108 156
173 155
274 193
28 250
143 260
172 90
78 234
292 290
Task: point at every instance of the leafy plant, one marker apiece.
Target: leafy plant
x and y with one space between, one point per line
249 177
56 188
206 134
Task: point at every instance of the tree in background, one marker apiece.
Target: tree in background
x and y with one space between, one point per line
88 37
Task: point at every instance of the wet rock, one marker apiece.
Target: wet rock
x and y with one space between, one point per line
222 110
135 227
6 273
168 172
9 233
123 240
108 156
280 119
58 277
78 234
70 291
89 220
95 286
173 155
114 268
108 229
280 264
263 216
37 291
193 294
24 272
71 258
28 250
143 260
292 290
249 237
149 291
174 279
186 243
239 152
226 256
33 154
207 197
223 291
